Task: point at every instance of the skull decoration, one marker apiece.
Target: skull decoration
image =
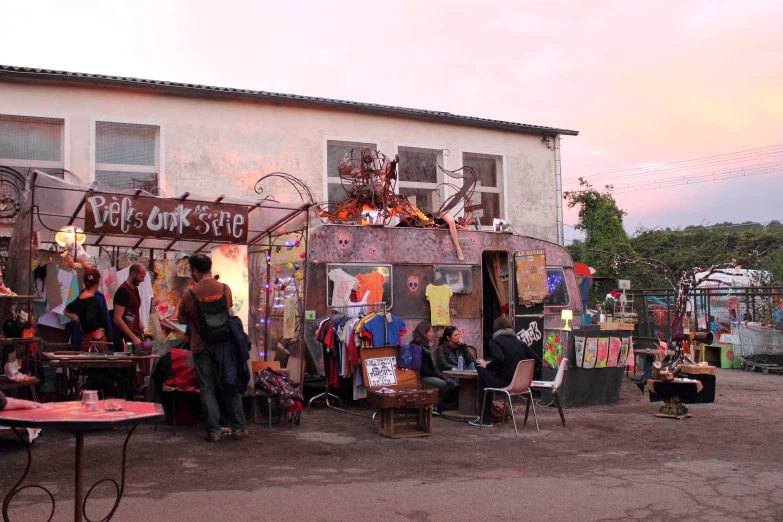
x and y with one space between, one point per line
343 241
413 285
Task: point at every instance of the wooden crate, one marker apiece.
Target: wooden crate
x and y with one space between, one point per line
401 423
407 411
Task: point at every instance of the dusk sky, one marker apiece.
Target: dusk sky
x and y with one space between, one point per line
645 83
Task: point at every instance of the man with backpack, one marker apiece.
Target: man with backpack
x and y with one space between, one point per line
206 309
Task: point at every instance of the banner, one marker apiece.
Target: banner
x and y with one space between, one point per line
147 216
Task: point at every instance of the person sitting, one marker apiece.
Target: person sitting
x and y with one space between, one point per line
422 336
451 346
9 403
507 350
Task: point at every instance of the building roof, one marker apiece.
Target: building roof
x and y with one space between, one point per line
8 71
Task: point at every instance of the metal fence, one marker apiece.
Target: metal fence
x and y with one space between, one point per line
713 309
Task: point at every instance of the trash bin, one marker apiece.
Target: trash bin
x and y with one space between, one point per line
727 359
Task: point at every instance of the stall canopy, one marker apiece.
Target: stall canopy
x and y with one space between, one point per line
138 220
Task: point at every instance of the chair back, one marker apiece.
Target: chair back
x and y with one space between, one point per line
523 376
473 352
559 377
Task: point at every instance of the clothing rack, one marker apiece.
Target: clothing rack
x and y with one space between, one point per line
326 394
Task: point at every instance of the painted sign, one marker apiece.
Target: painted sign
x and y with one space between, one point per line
624 284
380 371
532 285
165 218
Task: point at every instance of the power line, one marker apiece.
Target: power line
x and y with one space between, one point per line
695 180
751 170
717 159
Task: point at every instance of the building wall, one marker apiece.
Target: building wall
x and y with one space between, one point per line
222 146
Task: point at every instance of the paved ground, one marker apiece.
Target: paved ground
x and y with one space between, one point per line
611 463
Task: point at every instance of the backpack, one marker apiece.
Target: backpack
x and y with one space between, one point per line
213 318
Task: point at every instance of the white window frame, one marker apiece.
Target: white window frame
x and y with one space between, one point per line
502 191
435 187
333 179
160 151
65 145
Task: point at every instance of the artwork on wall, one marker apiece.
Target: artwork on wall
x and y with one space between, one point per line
579 350
614 352
230 263
602 352
591 352
553 352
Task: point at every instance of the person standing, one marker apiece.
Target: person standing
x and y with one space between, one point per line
90 313
127 309
422 336
507 350
206 309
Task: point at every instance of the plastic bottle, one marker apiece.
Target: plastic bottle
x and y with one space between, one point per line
460 363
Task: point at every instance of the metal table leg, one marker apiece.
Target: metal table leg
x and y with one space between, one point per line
20 432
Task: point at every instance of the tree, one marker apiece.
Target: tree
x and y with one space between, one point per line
602 221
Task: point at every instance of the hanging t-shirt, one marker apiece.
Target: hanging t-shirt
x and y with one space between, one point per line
359 309
373 283
385 333
439 297
343 284
145 293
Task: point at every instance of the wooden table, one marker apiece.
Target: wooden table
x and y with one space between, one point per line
69 416
468 401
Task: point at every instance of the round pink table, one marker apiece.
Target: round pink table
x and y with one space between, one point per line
69 416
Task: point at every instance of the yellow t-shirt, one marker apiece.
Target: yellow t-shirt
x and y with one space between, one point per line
439 297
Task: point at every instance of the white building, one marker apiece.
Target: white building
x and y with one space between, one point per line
206 140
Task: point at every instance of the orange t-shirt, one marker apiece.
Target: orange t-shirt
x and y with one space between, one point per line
372 282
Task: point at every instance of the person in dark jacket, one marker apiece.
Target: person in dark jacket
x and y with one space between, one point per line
205 356
507 350
422 336
451 346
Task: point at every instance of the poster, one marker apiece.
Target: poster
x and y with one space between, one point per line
625 344
380 371
602 352
69 289
532 285
230 263
167 288
591 348
579 350
553 352
289 318
614 352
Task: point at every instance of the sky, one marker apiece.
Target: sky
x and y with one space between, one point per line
645 83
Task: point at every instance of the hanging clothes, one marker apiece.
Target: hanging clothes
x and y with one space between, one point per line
343 284
372 283
439 297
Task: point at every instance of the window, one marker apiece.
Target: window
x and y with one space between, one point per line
127 156
488 198
28 143
335 151
558 290
419 177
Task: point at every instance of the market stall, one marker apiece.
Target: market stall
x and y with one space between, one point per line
61 227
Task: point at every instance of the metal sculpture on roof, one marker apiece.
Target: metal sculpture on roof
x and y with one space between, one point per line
369 179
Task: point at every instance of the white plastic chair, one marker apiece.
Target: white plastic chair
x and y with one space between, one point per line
553 386
520 385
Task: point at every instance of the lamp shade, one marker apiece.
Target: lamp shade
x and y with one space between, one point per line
67 235
566 315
